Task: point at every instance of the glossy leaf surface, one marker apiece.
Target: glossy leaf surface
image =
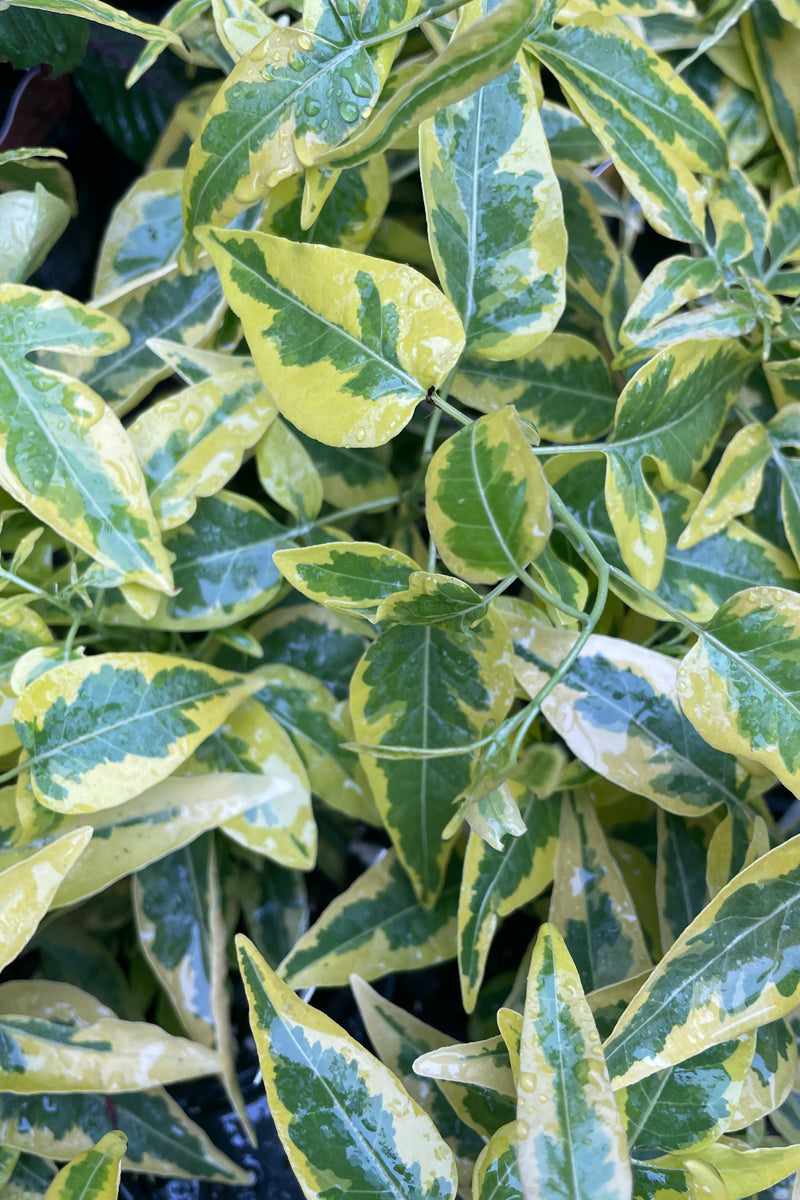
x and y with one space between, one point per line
569 1139
430 666
79 745
375 927
367 347
487 505
738 685
317 1076
494 216
732 969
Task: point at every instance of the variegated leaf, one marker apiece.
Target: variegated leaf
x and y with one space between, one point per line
617 709
772 45
432 599
86 752
175 307
478 1082
350 477
352 212
162 1140
569 1133
497 1169
93 1175
287 103
144 234
317 1078
697 578
399 1039
191 443
473 57
449 684
28 887
592 255
739 684
673 283
487 505
275 906
21 630
318 725
347 365
156 822
347 577
734 968
672 411
281 825
104 14
374 928
655 128
734 486
744 1170
178 912
497 882
63 453
564 389
684 1108
287 472
60 1050
680 874
494 215
598 921
768 1081
222 567
313 640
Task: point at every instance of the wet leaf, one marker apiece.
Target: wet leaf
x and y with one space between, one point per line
368 347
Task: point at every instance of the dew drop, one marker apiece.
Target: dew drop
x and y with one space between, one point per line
312 108
527 1083
277 56
365 112
297 63
523 1129
361 436
348 110
304 41
542 1098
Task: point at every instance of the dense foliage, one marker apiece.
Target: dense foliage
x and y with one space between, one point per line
419 489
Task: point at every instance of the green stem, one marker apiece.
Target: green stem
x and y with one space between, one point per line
39 593
437 10
547 597
344 513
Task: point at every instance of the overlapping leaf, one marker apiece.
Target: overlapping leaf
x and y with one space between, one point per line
374 928
617 709
348 344
646 118
733 969
94 1174
671 412
449 684
27 890
598 921
569 1134
100 730
497 882
63 453
564 388
494 216
487 505
739 684
317 1079
190 444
